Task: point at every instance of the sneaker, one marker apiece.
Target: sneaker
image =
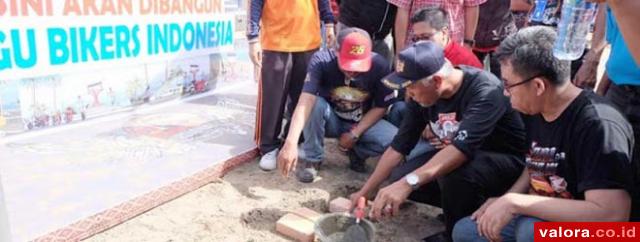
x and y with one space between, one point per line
306 172
268 162
356 163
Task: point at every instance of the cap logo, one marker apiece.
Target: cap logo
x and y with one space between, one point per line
400 66
390 84
396 86
357 50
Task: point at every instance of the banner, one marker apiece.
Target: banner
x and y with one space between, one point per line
68 60
40 37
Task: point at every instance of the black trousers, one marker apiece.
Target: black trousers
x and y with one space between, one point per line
627 99
281 81
463 191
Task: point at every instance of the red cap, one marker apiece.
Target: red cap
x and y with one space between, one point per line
355 50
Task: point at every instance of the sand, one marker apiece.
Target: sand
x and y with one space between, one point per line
246 203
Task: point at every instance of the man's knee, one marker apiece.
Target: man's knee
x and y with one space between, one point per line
466 230
319 107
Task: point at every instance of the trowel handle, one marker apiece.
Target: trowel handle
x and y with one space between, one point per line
359 212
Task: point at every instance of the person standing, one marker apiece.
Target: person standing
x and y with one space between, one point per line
283 35
463 19
374 16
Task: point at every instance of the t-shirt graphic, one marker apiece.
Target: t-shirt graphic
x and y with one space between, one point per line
446 127
349 102
542 163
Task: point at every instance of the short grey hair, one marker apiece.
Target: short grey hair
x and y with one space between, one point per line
436 17
530 52
445 71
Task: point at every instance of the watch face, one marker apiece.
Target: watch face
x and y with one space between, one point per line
412 179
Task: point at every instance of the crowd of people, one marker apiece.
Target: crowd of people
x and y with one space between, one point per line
468 108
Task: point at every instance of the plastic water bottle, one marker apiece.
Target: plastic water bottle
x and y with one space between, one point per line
538 11
575 23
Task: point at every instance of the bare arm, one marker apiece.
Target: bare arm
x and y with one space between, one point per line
520 5
370 118
442 163
288 155
603 85
401 28
300 116
389 160
522 184
471 15
627 17
587 74
599 205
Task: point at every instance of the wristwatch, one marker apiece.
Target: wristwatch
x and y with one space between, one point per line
470 42
413 180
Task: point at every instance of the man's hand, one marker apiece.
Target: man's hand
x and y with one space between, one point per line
389 198
287 158
478 213
497 215
331 35
255 53
354 198
347 141
433 139
587 74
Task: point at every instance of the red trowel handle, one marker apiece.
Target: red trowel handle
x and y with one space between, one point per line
359 212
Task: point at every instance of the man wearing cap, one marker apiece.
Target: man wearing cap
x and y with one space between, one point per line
466 109
342 98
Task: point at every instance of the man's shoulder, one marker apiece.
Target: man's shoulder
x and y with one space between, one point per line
479 78
378 61
594 110
322 58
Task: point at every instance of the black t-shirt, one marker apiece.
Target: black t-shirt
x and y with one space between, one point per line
353 98
478 117
374 16
587 147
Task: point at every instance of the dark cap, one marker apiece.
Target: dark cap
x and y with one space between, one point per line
420 60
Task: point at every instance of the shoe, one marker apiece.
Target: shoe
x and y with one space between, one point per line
306 172
438 237
268 162
355 163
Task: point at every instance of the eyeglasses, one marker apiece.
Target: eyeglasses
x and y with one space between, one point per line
508 87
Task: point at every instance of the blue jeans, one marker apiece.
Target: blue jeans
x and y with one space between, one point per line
520 229
395 116
323 122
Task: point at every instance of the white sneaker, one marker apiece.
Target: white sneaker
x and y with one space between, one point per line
268 162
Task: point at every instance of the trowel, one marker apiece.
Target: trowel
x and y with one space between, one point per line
355 232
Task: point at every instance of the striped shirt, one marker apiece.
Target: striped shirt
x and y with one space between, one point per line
454 8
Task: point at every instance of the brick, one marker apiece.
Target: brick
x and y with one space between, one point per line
339 205
309 214
296 227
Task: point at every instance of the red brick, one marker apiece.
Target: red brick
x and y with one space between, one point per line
296 227
339 205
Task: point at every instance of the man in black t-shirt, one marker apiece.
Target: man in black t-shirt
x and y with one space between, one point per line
483 139
579 167
374 16
342 98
